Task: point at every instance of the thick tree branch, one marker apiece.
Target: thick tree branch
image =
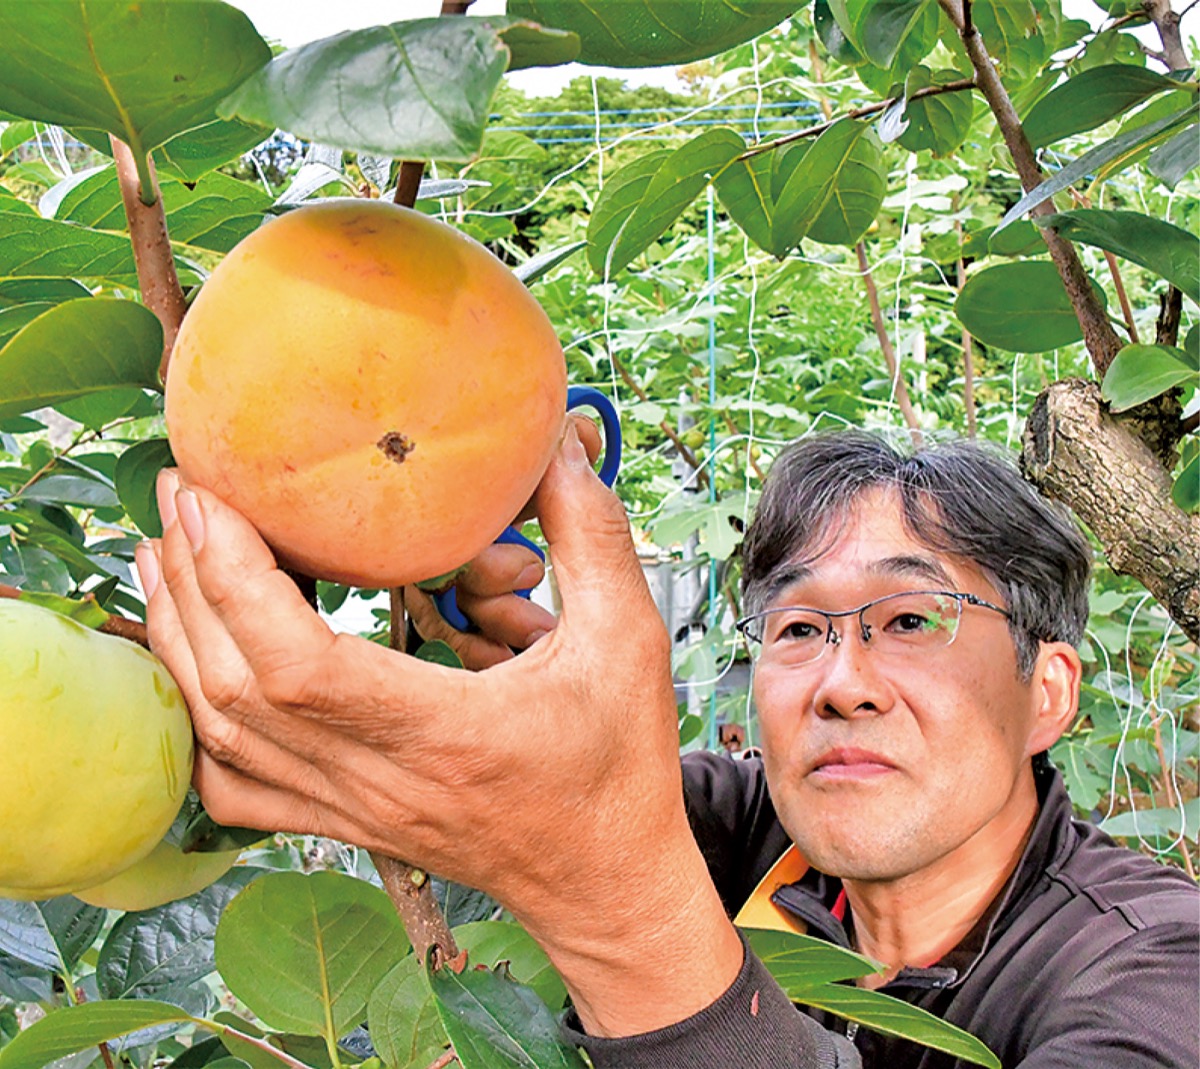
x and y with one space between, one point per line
1075 451
411 892
1102 341
1170 312
159 283
1166 21
885 343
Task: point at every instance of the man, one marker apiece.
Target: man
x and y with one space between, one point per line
914 624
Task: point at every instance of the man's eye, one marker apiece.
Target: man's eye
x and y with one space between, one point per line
797 630
909 623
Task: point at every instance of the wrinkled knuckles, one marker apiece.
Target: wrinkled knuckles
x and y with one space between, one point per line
225 742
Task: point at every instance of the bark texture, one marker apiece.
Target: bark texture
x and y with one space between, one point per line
1078 453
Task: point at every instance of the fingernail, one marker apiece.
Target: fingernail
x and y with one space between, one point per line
191 519
572 448
165 487
529 576
147 566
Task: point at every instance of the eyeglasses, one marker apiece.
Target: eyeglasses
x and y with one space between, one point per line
913 622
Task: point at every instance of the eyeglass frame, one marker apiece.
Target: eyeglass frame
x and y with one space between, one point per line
834 638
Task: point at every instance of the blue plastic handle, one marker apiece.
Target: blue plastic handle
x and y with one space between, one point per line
577 397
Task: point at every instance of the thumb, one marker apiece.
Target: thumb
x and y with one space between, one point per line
591 549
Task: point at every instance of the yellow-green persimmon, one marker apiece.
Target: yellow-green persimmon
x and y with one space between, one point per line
95 753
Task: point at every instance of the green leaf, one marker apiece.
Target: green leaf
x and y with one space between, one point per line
193 154
545 262
404 1023
622 193
1022 307
1186 491
439 652
880 27
305 952
495 1022
14 134
413 90
1115 152
75 1028
19 316
493 942
215 212
1168 251
642 33
531 45
51 935
135 477
71 490
939 122
1156 823
36 569
1090 99
1140 372
893 1017
86 64
744 188
86 612
1180 156
77 348
1022 238
203 835
800 962
16 291
96 410
35 248
677 182
1013 31
835 191
154 953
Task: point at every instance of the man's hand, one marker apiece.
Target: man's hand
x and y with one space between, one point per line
550 780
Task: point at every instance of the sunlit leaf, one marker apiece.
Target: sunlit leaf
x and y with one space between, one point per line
1140 372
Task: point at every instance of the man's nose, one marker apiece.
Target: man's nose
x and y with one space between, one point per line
851 684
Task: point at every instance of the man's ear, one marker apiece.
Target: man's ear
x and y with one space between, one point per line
1054 692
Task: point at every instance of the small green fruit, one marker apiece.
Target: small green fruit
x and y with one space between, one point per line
95 753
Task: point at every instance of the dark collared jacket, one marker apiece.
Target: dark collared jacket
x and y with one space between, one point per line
1088 959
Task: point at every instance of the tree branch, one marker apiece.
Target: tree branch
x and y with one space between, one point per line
854 113
688 456
408 182
1101 340
159 283
1170 312
1166 21
885 343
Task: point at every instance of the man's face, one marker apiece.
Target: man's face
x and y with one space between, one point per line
881 765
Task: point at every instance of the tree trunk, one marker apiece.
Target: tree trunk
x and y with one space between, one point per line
1078 453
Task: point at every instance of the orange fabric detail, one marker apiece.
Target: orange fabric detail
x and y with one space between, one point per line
759 911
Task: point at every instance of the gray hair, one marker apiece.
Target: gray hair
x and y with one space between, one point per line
962 498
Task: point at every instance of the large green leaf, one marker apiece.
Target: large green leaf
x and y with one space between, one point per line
142 71
745 191
76 1028
135 479
622 193
1168 251
413 90
1140 372
1186 491
1090 99
1022 306
939 122
1020 35
196 152
1180 156
79 347
496 1023
878 28
836 189
1108 157
51 935
16 291
896 1018
305 952
404 1023
674 184
215 212
31 247
800 962
643 33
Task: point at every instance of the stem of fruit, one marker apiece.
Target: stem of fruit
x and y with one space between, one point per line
161 291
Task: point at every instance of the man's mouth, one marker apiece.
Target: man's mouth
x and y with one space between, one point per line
846 763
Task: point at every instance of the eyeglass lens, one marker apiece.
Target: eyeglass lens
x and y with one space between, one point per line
899 623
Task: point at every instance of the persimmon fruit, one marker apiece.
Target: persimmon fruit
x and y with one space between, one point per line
164 875
375 391
95 753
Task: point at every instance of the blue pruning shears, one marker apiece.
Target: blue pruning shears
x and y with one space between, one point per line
577 397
